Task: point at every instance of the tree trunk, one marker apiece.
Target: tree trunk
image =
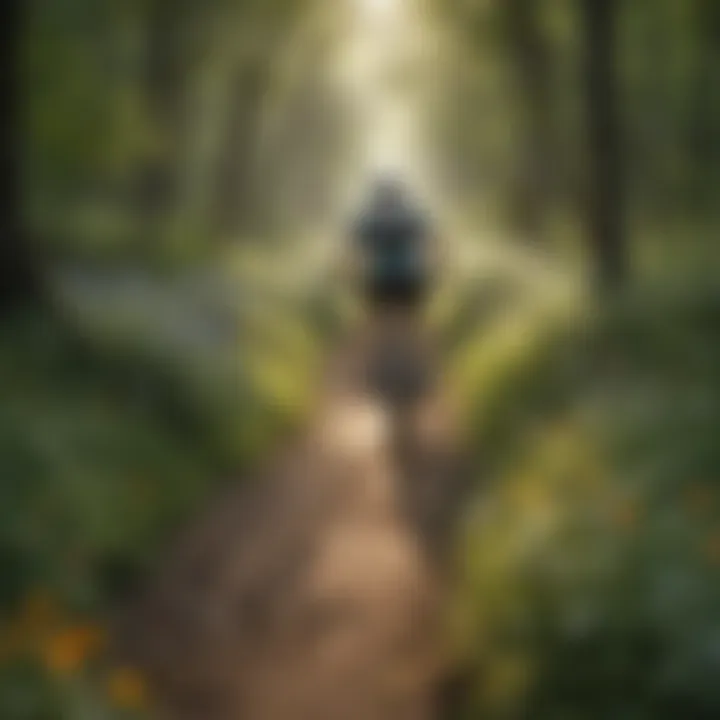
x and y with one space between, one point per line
532 78
704 110
19 281
165 87
605 211
234 178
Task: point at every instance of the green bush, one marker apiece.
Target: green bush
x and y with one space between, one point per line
590 559
110 440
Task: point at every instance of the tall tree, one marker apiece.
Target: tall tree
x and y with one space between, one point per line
237 199
605 211
234 211
171 28
19 282
531 63
704 105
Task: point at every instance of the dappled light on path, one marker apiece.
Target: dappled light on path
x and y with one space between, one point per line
311 593
357 426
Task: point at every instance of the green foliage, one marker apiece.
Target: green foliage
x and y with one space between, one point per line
121 154
666 58
590 559
111 437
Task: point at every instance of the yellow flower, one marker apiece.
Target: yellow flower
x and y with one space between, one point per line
67 651
126 688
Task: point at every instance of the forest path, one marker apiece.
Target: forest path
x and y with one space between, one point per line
311 593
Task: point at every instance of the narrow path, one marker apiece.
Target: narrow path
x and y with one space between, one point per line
310 594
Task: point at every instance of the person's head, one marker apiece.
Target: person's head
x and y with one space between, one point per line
388 192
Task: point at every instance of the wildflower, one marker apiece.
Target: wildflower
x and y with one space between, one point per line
37 617
67 651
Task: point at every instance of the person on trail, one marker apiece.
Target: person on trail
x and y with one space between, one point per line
396 251
394 246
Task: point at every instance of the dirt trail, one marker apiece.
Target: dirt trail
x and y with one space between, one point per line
311 594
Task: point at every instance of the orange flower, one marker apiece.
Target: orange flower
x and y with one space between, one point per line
37 617
68 650
126 688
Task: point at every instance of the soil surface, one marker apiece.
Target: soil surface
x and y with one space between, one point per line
314 591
